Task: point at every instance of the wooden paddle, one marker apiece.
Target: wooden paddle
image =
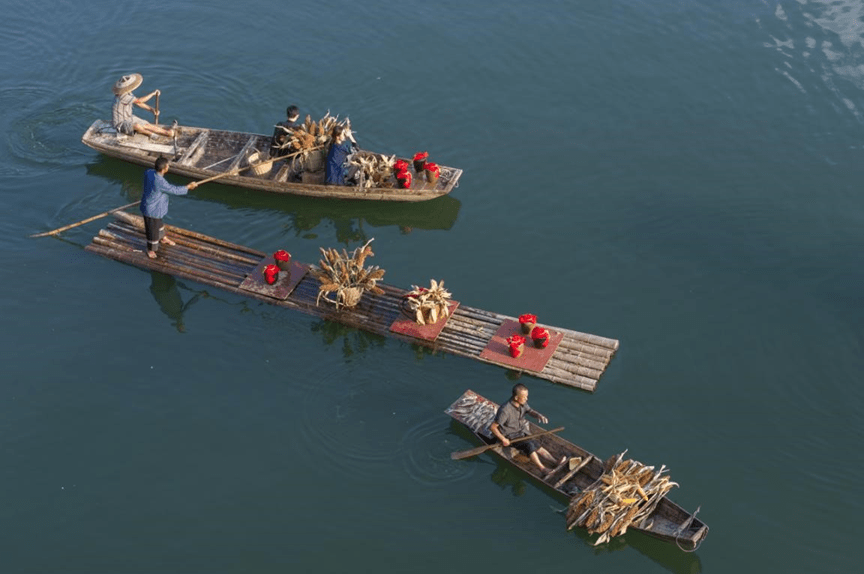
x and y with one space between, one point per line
156 111
238 170
481 449
88 220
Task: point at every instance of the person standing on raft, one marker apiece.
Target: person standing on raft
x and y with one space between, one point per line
154 203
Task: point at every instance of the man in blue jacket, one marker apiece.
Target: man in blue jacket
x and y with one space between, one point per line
154 204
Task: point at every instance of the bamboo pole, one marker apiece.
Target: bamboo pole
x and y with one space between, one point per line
138 222
238 170
88 220
166 266
201 247
186 251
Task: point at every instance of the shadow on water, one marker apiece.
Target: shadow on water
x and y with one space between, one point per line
508 477
166 291
348 218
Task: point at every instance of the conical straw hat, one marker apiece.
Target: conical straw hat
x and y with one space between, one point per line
127 84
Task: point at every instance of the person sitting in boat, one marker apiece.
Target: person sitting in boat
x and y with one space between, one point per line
282 131
337 171
122 114
510 423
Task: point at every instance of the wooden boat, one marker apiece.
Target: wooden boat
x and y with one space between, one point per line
201 153
668 521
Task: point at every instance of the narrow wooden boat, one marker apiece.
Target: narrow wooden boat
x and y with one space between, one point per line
668 521
201 153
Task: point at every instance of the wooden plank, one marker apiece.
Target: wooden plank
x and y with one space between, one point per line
531 359
199 143
281 174
556 469
242 155
146 145
573 471
408 326
285 283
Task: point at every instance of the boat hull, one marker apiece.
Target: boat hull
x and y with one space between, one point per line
201 153
668 522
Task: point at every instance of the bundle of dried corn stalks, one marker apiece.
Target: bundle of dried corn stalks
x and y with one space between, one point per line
311 136
428 305
345 275
627 493
375 170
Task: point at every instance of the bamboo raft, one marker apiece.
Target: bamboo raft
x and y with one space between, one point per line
578 360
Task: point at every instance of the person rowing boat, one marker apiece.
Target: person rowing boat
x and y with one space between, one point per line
510 424
122 114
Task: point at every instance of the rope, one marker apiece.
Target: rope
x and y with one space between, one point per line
684 527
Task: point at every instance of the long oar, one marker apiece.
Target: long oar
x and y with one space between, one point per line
238 170
481 449
88 220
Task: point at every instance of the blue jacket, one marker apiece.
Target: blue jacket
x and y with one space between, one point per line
154 201
336 171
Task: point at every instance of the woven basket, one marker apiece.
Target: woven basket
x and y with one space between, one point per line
313 160
261 168
351 296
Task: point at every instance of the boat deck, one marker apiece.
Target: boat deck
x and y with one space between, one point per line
576 359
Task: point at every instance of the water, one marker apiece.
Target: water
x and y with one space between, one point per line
681 176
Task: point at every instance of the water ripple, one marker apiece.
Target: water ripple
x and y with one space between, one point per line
426 453
43 136
339 424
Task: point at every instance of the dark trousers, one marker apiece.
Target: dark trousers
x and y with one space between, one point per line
526 446
155 231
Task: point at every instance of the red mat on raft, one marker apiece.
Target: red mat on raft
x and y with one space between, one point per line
406 326
285 283
531 359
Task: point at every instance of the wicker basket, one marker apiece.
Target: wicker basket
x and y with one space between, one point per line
351 296
313 160
259 166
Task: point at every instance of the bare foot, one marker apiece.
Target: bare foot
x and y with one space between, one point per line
151 254
167 241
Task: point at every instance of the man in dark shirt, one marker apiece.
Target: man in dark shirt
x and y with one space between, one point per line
510 423
282 131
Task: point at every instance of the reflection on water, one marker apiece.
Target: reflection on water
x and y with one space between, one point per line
164 289
349 219
505 476
353 340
